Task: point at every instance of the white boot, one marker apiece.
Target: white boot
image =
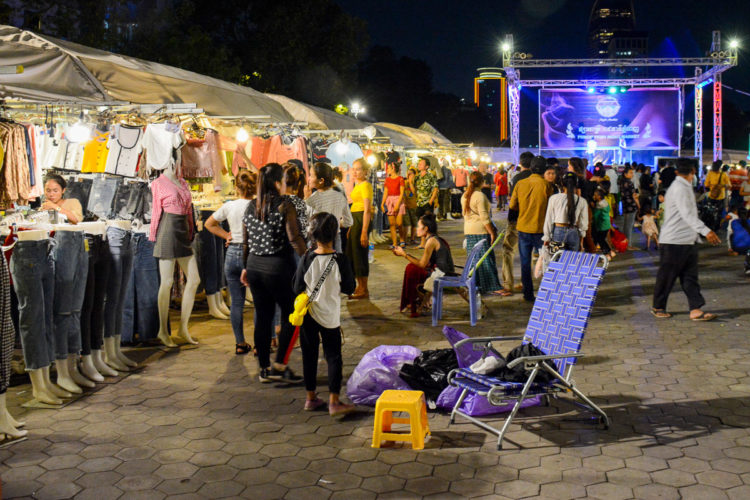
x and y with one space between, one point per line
89 369
6 421
110 355
100 365
39 388
76 375
64 378
213 307
53 388
120 355
222 305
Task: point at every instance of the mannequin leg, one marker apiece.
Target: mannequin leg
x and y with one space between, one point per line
213 306
89 369
6 426
223 307
100 365
53 388
166 273
64 378
120 355
39 388
189 266
75 374
15 423
110 355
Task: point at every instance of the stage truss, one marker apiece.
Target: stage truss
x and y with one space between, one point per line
707 70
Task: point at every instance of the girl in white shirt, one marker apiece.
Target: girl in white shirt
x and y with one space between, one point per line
567 216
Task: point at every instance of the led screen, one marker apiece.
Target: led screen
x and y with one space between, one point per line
635 119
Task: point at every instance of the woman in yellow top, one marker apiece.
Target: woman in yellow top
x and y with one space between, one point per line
716 183
54 188
358 241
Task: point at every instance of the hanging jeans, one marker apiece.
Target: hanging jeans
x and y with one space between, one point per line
33 272
71 270
102 197
92 311
211 255
141 311
270 278
120 265
233 269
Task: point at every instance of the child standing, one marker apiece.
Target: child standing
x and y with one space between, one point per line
601 223
323 320
648 225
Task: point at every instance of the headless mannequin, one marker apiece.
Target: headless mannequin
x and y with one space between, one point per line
93 365
68 376
166 272
113 355
42 387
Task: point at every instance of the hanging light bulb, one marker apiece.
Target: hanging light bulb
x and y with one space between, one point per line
371 159
242 135
78 132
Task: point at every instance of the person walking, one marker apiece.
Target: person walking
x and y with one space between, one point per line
426 186
501 183
358 241
630 205
678 253
717 183
325 198
530 198
271 238
510 240
478 227
393 204
567 216
444 193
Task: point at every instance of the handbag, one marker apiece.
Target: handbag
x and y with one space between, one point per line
302 301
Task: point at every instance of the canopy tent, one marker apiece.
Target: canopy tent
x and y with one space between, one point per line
426 127
316 117
419 138
56 70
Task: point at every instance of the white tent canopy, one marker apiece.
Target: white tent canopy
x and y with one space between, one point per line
417 137
56 70
316 117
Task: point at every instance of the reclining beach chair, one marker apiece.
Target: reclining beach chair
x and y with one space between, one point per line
556 326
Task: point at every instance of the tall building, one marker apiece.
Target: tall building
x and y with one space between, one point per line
612 35
491 96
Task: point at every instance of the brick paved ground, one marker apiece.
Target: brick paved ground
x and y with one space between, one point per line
198 424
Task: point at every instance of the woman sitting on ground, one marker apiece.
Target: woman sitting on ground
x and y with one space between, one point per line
437 254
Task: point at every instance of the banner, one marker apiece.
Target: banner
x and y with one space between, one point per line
636 119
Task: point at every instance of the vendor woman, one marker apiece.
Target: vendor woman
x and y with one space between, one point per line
54 188
437 254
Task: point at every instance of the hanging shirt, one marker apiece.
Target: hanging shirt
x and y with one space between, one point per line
37 188
15 168
281 150
201 158
95 154
125 145
162 141
344 151
170 198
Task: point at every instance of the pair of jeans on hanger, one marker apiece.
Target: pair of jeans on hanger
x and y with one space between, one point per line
92 311
120 264
102 197
71 270
140 316
33 272
211 258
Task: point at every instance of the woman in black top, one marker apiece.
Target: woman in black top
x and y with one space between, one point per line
272 237
437 254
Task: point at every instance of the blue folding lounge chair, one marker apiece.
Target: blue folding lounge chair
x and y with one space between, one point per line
467 279
556 326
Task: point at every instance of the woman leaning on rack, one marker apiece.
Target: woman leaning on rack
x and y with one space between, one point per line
54 188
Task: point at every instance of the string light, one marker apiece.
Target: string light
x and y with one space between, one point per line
242 135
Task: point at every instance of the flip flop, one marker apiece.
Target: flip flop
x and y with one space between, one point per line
704 317
660 313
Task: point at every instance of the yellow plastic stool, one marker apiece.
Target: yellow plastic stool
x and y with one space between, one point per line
411 402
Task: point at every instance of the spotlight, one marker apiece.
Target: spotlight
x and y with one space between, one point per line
505 46
590 90
623 89
612 90
733 44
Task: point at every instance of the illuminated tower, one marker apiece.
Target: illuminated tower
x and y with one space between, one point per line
491 96
612 35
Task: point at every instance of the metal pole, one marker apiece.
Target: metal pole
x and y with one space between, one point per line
717 117
698 139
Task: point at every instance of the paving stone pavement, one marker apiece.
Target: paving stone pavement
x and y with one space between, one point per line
196 423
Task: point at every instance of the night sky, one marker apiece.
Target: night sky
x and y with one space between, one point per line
456 37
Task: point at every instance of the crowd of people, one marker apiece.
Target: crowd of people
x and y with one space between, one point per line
288 234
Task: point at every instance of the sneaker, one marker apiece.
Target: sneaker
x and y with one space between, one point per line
339 409
287 376
314 404
264 375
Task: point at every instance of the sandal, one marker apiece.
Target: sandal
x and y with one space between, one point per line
500 293
660 313
704 316
242 349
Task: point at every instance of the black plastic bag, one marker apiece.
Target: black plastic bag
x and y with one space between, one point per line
519 373
429 372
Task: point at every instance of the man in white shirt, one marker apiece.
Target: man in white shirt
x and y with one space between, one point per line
678 253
